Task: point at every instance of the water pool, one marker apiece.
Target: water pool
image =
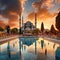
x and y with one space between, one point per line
28 48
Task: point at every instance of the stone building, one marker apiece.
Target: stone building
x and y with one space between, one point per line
27 28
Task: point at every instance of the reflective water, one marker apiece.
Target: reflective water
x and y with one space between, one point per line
28 49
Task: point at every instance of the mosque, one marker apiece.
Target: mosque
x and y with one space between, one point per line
28 26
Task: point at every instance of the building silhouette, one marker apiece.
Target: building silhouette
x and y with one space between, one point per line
28 26
35 20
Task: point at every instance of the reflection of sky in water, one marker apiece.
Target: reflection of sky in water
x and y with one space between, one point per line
28 51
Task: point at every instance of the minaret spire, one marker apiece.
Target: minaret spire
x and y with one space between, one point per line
20 25
22 21
35 20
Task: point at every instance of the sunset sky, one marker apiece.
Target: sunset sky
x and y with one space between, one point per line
46 10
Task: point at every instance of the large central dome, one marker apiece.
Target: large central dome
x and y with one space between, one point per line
28 24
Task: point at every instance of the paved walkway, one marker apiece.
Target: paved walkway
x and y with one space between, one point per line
13 37
53 40
8 39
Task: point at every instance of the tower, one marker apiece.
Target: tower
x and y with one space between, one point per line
22 21
35 20
20 25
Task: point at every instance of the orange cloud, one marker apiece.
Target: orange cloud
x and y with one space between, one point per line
48 3
43 3
22 4
12 12
43 15
13 19
58 1
2 23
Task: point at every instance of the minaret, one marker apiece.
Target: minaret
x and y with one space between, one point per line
35 20
20 25
22 21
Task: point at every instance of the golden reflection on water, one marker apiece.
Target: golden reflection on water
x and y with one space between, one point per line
47 45
50 46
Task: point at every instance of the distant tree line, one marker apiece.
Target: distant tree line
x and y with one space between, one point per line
8 30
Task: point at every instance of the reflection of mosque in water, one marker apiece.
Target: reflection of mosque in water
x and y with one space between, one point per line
18 48
23 43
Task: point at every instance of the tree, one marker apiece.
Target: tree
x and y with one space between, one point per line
42 27
58 22
1 29
52 30
14 31
7 29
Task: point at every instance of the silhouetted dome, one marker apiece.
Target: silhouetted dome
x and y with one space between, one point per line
28 24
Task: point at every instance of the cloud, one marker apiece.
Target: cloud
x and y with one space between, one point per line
22 3
49 3
2 7
42 16
43 4
11 9
58 1
12 5
2 23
